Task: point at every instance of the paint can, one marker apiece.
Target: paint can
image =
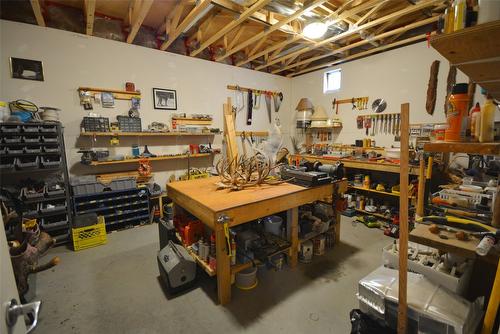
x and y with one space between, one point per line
319 245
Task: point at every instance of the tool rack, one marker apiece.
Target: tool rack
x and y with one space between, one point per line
36 150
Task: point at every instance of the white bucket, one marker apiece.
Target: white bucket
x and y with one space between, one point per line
246 279
272 224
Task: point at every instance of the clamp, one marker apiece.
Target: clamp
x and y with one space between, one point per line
224 220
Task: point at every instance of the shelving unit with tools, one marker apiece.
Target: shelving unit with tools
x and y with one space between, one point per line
33 162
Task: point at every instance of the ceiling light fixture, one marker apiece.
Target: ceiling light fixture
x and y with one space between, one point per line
315 29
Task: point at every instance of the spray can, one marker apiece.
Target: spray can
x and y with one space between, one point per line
485 245
233 252
487 132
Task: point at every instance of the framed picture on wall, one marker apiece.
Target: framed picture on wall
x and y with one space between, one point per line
165 99
27 69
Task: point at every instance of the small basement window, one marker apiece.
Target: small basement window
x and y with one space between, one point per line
332 81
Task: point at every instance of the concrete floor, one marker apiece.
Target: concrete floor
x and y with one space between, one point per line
114 289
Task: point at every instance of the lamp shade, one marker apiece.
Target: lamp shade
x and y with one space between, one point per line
304 104
319 114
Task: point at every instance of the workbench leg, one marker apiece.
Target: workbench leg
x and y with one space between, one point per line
292 227
492 310
160 203
337 227
223 266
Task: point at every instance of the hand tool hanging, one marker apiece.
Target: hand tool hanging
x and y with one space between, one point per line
372 120
249 107
267 96
389 126
256 101
277 99
359 122
239 100
368 124
381 123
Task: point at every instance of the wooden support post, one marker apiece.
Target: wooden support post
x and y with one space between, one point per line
421 187
492 309
292 227
229 132
403 218
223 266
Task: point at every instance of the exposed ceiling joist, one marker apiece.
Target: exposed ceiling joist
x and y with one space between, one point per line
257 46
237 36
407 10
194 14
273 47
245 15
361 54
35 4
363 42
274 27
370 13
137 20
89 9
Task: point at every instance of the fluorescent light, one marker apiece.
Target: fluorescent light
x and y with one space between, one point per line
315 30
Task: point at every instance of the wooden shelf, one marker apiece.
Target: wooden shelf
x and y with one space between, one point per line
172 157
312 236
143 134
117 94
373 214
376 191
475 51
421 234
211 272
473 148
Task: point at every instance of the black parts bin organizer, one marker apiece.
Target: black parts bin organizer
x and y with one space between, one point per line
35 151
120 202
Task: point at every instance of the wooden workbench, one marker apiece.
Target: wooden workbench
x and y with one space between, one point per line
201 198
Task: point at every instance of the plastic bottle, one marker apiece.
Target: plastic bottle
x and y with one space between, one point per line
458 105
487 133
449 19
485 244
475 125
460 14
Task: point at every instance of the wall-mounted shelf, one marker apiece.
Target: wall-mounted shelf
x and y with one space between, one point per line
143 134
117 94
373 214
475 51
168 157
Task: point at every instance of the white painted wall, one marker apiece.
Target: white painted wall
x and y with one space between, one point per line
71 60
398 76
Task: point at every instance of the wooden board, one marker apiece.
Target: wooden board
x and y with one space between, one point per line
377 191
192 121
421 235
484 71
203 200
469 44
118 94
127 161
143 134
477 148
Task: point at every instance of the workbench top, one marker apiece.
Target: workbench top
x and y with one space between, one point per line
201 198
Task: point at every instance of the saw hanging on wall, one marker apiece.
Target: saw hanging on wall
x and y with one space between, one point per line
432 88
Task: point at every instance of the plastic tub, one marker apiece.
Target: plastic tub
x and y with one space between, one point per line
32 149
11 139
35 139
272 224
27 162
246 279
31 128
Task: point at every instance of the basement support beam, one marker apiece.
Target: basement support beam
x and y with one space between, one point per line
193 15
137 20
35 4
89 10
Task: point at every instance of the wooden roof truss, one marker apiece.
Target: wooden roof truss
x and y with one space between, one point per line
266 35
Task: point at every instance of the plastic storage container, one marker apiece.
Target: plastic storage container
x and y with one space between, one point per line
11 139
6 163
14 150
48 129
129 124
51 190
31 139
51 149
95 124
89 236
51 161
10 128
53 206
86 186
31 128
27 194
54 222
32 149
48 139
27 162
122 184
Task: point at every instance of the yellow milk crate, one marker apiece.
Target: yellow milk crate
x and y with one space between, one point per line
89 236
